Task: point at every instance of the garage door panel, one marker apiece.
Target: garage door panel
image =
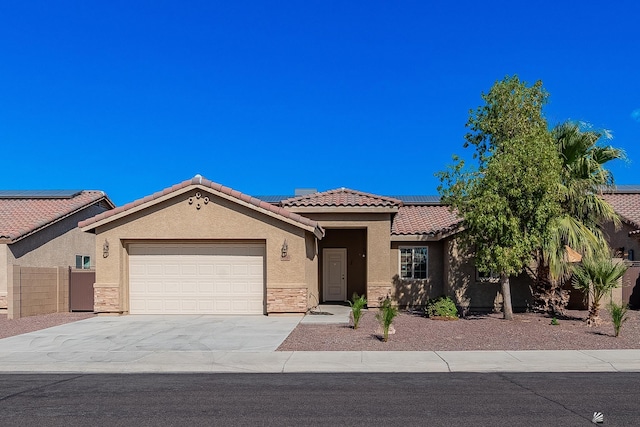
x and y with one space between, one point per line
223 269
205 270
196 279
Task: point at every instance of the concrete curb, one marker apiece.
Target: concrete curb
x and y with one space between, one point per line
318 362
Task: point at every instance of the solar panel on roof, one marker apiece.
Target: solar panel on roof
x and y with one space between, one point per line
38 194
272 199
418 200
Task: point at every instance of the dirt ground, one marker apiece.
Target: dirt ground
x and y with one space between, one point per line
9 328
529 331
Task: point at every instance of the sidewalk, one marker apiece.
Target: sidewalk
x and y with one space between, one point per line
300 361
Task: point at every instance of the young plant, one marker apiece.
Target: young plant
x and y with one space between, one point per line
555 322
385 316
356 308
596 277
618 316
442 307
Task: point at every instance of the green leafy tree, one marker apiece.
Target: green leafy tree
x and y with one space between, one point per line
508 200
596 277
578 227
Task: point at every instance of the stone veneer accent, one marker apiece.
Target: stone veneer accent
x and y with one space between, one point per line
377 293
286 300
106 298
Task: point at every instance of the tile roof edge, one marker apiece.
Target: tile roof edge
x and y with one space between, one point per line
22 234
200 181
341 189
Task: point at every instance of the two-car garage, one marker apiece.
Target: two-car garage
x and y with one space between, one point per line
198 247
196 278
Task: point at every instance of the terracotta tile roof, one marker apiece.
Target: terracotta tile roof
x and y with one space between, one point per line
425 220
627 205
21 216
341 197
199 180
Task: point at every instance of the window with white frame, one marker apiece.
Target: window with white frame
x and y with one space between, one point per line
413 262
83 262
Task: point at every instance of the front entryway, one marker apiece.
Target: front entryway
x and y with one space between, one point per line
334 267
216 278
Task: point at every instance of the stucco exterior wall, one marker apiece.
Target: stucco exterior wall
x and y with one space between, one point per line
56 245
378 250
471 294
416 293
620 239
4 275
220 220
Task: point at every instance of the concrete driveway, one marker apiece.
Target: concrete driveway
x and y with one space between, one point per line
159 333
144 343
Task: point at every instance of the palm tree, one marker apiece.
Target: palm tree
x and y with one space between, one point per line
583 178
596 277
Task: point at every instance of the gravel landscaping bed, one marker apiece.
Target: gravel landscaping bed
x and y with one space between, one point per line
529 331
9 328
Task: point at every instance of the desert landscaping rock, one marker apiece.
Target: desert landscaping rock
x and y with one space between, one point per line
12 327
529 331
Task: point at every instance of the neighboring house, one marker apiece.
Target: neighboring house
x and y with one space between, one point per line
625 241
199 247
40 229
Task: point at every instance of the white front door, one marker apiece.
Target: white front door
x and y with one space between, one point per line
334 274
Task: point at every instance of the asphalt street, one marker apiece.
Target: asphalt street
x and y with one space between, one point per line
349 399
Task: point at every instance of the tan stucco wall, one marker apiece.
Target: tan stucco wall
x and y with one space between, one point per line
4 274
378 226
620 239
177 220
56 245
414 293
471 295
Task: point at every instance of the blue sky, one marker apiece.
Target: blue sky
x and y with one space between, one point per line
130 97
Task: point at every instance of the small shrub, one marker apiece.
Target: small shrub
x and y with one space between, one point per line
385 316
618 316
442 307
555 322
356 308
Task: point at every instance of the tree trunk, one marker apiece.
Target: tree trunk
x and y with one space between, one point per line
594 314
507 309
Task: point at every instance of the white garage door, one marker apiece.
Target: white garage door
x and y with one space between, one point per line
196 279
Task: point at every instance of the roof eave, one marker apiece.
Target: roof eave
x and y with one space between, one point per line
342 209
427 237
14 239
149 202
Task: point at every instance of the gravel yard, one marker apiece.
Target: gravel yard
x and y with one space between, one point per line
9 328
529 331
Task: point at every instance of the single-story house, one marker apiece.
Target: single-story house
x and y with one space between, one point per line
40 229
200 247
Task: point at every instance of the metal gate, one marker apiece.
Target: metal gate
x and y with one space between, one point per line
631 286
81 289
